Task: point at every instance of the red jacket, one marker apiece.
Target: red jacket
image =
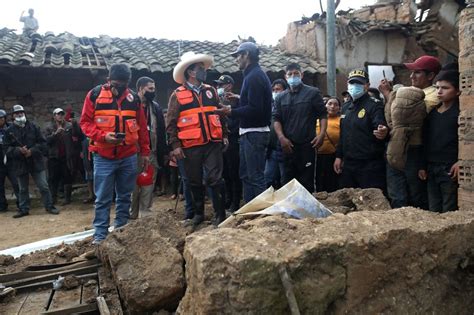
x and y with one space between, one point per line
121 151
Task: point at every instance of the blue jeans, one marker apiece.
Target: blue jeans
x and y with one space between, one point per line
42 184
404 187
188 198
109 175
274 169
252 163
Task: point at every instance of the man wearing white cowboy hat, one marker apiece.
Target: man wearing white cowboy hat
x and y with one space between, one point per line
195 132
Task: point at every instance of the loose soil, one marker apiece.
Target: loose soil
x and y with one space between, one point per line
73 218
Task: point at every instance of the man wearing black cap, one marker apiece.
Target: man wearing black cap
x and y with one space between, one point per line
26 147
254 113
359 154
6 168
115 122
233 184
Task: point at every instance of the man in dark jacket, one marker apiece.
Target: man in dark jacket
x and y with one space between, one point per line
254 113
360 152
6 169
297 110
58 134
233 184
142 196
25 146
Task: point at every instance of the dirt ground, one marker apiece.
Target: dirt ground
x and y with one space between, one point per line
39 225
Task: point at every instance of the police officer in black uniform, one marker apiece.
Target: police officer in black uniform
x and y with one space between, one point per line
360 152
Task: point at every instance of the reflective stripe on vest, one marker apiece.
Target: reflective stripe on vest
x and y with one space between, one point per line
111 116
197 124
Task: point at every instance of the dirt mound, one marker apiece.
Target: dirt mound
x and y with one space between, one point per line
405 260
145 262
54 255
354 199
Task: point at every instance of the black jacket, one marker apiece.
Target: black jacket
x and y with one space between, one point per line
359 119
162 148
298 111
3 166
31 137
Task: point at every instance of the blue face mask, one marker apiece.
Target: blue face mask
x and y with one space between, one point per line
355 90
294 81
221 92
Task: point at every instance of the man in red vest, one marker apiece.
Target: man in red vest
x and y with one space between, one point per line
114 120
195 132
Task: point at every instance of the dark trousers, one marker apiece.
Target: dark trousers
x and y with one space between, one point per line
233 184
405 188
10 173
442 190
363 174
326 179
58 171
207 158
300 165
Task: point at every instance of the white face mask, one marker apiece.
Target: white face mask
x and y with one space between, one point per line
20 121
221 92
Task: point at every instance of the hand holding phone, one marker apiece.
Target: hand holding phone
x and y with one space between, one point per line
120 135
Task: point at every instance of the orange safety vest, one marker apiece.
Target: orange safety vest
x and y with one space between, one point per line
197 123
111 116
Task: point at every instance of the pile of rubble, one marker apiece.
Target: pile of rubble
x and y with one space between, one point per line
366 258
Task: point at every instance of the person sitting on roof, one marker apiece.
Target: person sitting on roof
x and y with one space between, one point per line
30 23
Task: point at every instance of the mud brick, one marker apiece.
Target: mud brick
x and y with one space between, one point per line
465 199
466 102
466 150
466 62
466 169
466 125
467 82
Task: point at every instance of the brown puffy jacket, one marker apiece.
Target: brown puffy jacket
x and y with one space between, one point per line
406 112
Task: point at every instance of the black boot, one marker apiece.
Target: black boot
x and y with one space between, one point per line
218 203
198 204
67 195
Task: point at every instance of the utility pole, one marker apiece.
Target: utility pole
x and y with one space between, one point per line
331 47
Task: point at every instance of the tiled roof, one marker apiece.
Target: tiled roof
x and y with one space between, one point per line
149 54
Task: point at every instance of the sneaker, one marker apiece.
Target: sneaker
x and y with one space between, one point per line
53 210
20 214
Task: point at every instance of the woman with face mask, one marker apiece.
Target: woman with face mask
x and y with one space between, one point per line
360 152
326 179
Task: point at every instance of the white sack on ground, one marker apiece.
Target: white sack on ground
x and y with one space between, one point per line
292 199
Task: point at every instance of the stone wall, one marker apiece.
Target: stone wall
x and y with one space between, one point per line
39 106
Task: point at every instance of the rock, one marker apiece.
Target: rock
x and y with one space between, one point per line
6 260
70 282
354 199
400 261
145 264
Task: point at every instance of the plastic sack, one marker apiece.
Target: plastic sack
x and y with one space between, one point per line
292 199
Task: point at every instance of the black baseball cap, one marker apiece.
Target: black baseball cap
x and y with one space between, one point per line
246 46
358 76
225 79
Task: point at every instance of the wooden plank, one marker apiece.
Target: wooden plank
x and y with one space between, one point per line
28 274
52 276
109 291
49 282
66 298
76 309
102 305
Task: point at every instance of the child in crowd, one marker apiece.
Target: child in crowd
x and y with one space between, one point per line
440 138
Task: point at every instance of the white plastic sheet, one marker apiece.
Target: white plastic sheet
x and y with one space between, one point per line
292 199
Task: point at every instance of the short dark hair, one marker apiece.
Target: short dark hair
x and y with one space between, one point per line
254 56
120 72
375 91
281 82
451 76
293 66
143 81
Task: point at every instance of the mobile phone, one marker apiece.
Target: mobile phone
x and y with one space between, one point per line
383 73
120 135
